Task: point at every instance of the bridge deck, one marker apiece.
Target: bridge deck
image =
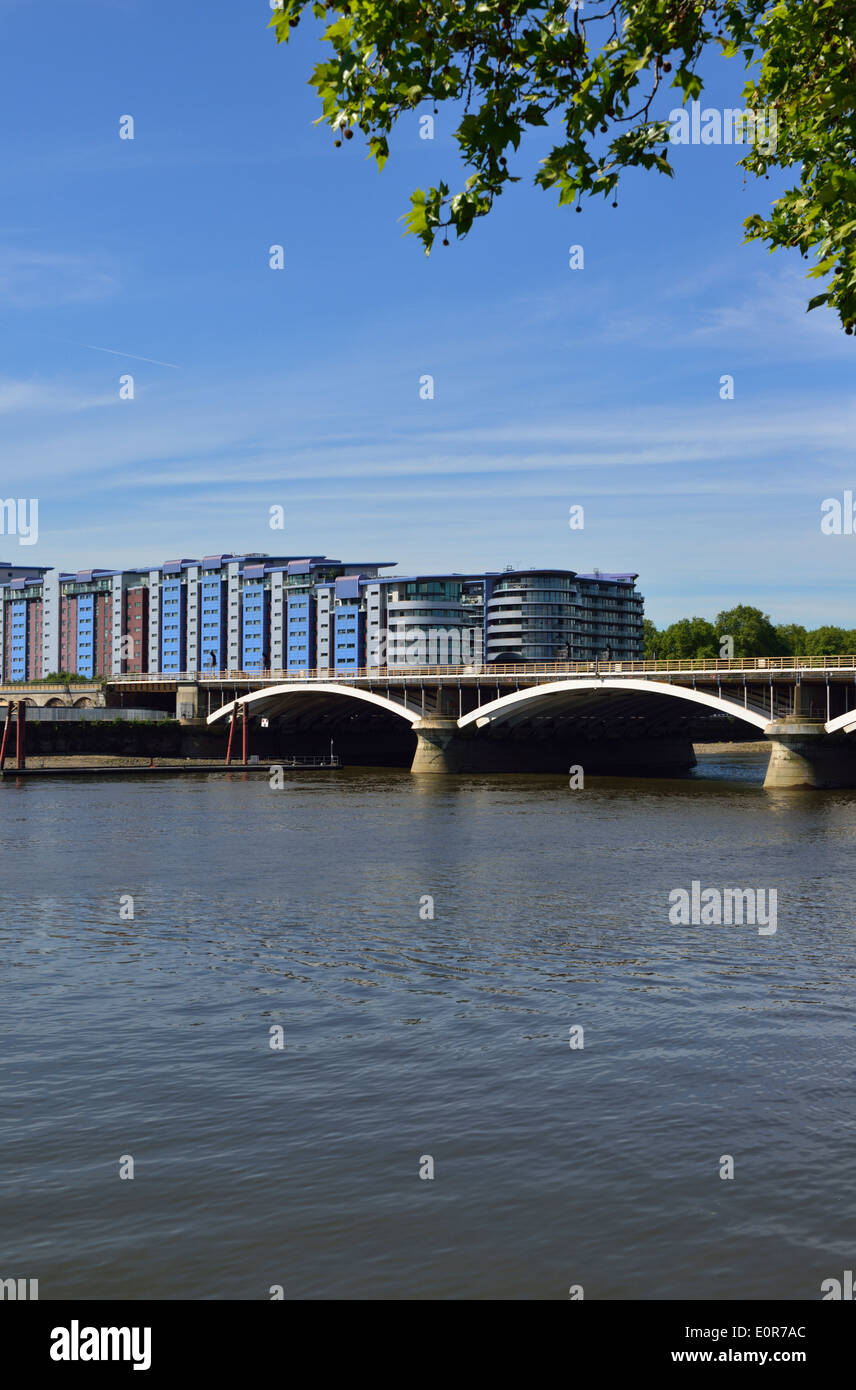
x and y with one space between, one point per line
779 667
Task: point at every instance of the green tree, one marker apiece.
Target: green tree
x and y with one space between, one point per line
652 640
64 678
602 78
690 637
751 630
792 639
828 641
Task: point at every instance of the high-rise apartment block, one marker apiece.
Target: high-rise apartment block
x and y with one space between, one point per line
258 612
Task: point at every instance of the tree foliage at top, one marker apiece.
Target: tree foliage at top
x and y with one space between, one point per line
600 75
752 634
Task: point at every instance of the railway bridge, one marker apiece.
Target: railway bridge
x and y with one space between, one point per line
607 717
54 695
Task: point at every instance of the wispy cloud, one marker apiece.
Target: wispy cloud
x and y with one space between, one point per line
32 279
47 398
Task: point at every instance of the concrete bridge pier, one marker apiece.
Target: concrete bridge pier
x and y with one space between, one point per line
187 704
803 754
437 745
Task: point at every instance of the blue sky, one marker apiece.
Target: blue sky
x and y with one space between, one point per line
300 388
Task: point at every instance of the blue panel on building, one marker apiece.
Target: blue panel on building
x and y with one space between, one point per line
349 587
255 628
212 623
348 628
300 633
18 643
86 635
173 619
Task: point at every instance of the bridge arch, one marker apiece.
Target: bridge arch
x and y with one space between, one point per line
274 699
843 723
536 699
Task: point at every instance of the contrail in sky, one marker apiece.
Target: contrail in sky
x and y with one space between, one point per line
116 353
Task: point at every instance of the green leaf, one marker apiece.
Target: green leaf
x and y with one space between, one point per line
379 148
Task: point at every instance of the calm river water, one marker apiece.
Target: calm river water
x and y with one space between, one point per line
407 1037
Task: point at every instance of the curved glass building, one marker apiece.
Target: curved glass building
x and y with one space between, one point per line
559 615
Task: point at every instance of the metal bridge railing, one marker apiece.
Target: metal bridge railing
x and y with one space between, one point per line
529 671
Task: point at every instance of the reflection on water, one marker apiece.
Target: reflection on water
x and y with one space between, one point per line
407 1034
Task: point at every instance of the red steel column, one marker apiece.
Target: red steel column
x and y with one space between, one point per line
244 732
21 748
6 727
231 733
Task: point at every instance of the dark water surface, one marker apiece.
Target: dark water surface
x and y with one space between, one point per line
406 1037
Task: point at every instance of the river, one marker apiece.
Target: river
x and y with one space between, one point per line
327 989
